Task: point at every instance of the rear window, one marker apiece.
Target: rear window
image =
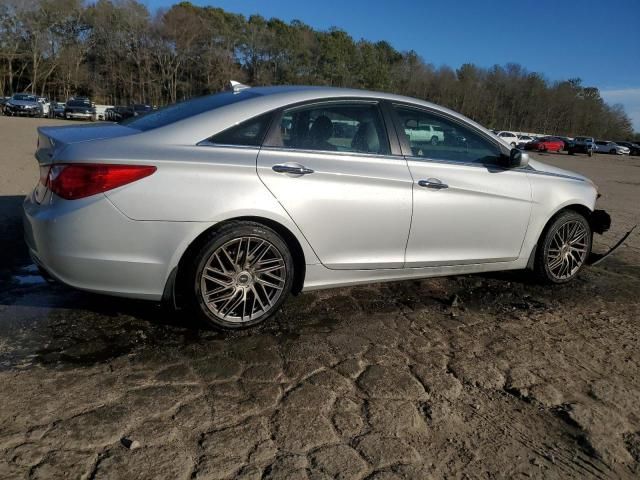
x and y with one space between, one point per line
188 108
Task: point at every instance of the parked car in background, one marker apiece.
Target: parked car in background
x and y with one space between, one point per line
565 140
545 144
57 110
23 104
523 139
3 101
425 133
79 107
242 197
118 114
509 137
46 106
581 145
141 109
634 148
100 111
605 146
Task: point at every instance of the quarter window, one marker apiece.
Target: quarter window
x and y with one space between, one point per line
333 127
249 133
446 140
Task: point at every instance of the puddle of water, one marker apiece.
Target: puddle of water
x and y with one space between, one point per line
28 275
28 279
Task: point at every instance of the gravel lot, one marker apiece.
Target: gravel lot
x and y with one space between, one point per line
487 376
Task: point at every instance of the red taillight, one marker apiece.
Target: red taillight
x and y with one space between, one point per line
79 180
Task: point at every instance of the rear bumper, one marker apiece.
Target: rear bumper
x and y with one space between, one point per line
89 244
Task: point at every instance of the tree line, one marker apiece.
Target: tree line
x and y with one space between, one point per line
118 52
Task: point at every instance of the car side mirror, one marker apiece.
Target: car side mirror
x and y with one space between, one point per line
518 158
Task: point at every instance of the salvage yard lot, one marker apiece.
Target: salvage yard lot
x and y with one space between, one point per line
486 375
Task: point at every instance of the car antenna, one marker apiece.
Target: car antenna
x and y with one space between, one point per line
237 87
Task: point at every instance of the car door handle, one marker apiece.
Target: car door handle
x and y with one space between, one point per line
292 169
432 183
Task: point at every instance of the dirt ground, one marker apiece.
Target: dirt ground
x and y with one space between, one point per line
486 376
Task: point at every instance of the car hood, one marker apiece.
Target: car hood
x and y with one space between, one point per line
24 103
544 167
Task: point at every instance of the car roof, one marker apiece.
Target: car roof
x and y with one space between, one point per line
265 99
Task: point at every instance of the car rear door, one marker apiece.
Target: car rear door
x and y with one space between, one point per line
466 209
340 176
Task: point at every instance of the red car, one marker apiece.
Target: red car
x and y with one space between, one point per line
545 144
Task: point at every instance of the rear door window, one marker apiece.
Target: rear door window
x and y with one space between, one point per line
354 127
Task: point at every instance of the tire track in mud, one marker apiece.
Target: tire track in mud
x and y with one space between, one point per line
573 463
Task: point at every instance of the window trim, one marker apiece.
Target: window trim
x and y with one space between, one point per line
268 142
406 146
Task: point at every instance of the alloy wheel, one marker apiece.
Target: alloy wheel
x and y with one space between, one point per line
567 250
243 279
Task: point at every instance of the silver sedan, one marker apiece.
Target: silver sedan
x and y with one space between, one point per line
227 203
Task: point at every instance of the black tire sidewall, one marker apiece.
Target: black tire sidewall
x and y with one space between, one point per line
541 265
218 238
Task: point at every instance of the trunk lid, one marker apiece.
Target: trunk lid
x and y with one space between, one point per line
52 140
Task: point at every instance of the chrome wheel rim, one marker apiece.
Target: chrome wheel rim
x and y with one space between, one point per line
567 250
243 279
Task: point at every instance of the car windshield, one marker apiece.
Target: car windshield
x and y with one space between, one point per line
24 97
189 108
78 103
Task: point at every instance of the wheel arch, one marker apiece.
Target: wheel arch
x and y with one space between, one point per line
580 208
172 291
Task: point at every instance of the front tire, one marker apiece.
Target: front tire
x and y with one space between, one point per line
240 276
563 249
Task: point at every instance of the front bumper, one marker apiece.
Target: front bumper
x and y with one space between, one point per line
580 148
32 112
89 244
78 115
600 222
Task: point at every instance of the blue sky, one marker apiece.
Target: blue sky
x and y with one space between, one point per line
594 40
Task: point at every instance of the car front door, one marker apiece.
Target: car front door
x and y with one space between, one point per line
331 166
466 209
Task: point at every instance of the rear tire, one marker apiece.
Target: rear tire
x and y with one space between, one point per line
434 141
563 249
240 276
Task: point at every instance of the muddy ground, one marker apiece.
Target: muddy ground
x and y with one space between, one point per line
486 376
